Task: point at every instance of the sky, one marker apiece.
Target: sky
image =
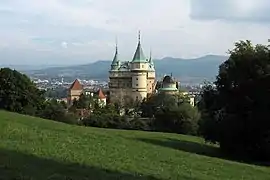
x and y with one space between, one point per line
83 31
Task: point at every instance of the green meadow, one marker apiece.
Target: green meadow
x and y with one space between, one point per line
37 149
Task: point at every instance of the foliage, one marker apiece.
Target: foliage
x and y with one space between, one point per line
77 153
18 93
85 102
54 110
109 117
181 119
57 93
236 112
172 113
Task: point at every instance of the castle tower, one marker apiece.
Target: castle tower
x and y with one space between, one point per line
139 72
74 92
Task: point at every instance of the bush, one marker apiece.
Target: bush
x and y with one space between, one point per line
116 121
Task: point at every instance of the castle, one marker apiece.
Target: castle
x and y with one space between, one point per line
135 79
131 80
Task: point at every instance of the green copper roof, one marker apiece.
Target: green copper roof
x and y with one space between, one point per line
115 63
139 55
151 62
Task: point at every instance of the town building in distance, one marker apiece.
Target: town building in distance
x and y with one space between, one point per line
76 90
135 79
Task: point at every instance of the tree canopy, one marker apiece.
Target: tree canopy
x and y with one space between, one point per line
18 93
236 111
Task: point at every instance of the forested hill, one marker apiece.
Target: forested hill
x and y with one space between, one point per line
197 69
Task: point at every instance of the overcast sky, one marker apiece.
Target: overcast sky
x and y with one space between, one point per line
86 29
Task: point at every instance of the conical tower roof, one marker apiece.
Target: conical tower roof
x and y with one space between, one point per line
101 94
115 58
150 58
139 55
76 85
115 62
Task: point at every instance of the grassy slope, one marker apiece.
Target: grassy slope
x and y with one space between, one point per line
40 149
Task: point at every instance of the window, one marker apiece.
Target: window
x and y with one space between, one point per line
137 90
136 84
142 66
136 78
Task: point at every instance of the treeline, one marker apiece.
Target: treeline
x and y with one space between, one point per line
165 113
234 113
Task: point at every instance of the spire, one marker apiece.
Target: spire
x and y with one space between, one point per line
139 55
115 61
139 37
150 58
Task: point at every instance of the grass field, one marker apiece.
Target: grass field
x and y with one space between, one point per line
31 148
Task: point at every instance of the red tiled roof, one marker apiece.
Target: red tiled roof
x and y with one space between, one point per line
101 95
76 85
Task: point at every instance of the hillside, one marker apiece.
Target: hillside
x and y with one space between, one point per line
186 70
33 148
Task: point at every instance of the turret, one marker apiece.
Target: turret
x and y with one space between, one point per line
139 61
151 63
139 69
115 63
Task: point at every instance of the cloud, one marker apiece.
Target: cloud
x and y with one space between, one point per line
64 45
179 28
231 10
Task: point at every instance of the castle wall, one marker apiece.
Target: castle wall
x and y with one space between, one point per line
150 85
139 80
139 96
74 94
140 66
120 95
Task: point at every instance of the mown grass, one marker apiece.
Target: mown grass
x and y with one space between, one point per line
32 148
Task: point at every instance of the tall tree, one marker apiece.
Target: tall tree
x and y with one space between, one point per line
18 93
236 113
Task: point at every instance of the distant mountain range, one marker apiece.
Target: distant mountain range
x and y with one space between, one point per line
185 70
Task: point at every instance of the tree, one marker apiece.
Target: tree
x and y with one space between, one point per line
236 113
54 110
18 93
181 119
83 102
172 113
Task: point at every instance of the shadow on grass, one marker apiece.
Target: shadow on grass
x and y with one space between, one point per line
17 165
200 149
187 146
